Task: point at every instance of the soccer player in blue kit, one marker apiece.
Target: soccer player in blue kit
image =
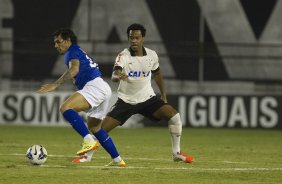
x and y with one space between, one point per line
93 95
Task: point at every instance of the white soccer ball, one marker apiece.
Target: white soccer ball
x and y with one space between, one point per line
36 154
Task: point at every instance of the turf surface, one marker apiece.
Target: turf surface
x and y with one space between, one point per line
221 156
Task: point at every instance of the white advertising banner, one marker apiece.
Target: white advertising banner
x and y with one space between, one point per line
221 111
229 111
29 108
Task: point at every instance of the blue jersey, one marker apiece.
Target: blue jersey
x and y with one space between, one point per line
88 68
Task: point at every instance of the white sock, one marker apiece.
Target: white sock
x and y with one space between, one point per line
117 159
88 138
95 139
89 155
175 141
175 128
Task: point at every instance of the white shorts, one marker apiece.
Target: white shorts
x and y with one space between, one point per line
97 93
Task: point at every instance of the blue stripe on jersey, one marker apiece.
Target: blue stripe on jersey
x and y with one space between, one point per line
88 68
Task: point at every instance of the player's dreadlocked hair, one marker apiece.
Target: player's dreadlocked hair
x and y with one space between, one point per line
65 34
134 27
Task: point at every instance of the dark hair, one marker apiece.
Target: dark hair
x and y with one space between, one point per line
65 34
136 27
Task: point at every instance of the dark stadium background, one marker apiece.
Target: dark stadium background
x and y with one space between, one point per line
199 62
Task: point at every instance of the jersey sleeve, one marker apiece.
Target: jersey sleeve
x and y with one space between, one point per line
156 61
71 55
120 60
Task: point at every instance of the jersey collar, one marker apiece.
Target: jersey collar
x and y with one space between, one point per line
133 54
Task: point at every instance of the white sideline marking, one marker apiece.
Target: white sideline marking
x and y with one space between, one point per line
98 167
156 168
73 156
249 169
224 169
231 162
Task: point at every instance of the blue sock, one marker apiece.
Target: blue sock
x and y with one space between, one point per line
76 122
107 143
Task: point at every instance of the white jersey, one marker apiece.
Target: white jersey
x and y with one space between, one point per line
137 87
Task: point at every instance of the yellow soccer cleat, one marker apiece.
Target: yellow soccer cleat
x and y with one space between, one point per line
88 146
116 164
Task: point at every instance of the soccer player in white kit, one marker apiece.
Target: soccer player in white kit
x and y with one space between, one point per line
133 69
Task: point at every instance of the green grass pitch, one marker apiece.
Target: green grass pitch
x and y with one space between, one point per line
221 156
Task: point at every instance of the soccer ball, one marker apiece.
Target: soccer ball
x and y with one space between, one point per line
36 154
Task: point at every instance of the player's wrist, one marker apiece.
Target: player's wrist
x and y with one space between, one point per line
115 78
57 84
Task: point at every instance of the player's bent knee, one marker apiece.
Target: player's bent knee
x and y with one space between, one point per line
93 124
175 124
109 123
63 108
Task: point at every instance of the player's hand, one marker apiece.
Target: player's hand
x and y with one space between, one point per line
47 88
123 76
117 76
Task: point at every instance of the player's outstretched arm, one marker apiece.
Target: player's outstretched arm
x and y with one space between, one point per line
47 88
69 74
